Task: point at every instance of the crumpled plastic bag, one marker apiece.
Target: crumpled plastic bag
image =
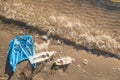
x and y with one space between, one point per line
20 49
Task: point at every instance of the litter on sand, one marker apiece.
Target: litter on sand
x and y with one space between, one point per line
42 56
20 49
63 61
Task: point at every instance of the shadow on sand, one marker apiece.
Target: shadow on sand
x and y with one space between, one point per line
8 68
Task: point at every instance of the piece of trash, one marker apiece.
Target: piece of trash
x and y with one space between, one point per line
40 57
63 61
41 47
20 49
85 61
46 37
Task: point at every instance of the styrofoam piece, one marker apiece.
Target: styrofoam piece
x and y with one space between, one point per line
63 61
42 56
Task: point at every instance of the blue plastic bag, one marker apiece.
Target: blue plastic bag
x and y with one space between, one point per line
21 48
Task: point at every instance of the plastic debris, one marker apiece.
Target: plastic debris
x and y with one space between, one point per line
63 61
21 48
46 37
40 57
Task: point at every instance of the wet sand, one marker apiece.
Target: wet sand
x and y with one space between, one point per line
100 15
98 67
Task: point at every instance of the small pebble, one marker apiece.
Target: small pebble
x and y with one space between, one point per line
85 61
2 56
78 67
37 35
58 42
83 70
73 59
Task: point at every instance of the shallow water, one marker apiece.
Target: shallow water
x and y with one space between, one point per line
95 13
